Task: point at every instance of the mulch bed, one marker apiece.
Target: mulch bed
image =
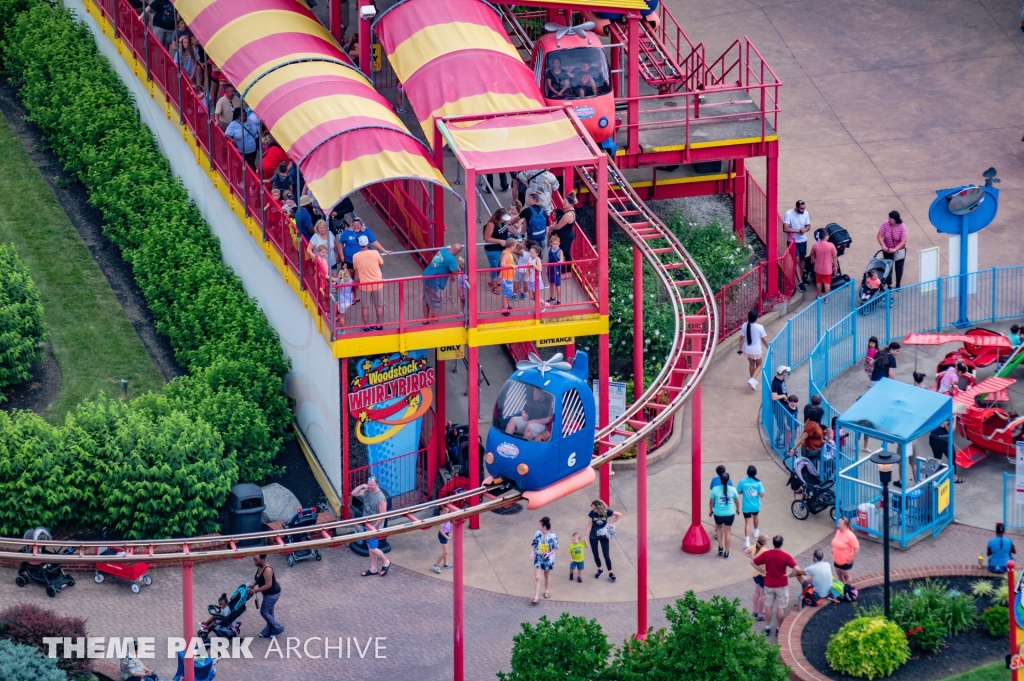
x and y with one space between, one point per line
961 653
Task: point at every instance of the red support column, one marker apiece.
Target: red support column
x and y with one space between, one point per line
603 354
186 612
438 216
472 353
364 41
1011 583
739 198
335 22
772 219
458 593
696 539
641 452
633 83
345 491
436 455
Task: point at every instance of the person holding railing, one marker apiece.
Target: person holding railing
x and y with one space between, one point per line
496 233
445 262
367 265
161 13
565 227
780 400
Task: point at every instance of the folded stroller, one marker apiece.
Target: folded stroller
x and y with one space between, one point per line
225 626
306 517
49 575
814 495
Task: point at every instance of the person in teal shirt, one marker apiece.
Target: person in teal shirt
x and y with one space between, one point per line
724 504
1015 335
750 490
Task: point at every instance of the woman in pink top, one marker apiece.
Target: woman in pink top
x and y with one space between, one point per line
845 547
826 260
892 237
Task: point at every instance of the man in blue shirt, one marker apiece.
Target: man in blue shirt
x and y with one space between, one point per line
349 240
999 550
304 217
444 262
244 130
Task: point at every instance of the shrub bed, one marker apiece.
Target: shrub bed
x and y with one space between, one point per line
162 464
27 624
21 321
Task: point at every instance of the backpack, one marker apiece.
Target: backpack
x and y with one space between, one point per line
536 222
807 596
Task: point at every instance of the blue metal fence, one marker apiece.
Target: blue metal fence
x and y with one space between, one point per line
832 334
1013 512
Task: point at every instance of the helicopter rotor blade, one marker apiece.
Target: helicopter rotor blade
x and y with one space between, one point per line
553 26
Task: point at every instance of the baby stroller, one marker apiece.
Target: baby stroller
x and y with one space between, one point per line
867 295
225 626
306 517
813 494
839 238
50 575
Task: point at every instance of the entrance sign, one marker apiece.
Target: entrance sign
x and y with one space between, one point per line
555 342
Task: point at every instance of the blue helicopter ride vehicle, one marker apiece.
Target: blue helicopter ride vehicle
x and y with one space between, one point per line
542 436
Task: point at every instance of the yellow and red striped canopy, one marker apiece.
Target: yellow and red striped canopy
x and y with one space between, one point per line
454 58
521 140
324 113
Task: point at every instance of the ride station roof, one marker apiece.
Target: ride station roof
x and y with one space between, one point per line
317 105
545 138
454 58
897 412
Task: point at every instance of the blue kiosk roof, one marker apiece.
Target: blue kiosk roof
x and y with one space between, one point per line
897 412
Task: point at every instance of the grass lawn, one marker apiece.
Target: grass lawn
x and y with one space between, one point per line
92 340
996 671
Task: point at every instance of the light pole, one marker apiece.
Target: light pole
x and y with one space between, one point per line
885 461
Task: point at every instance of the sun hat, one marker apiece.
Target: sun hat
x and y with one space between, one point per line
305 201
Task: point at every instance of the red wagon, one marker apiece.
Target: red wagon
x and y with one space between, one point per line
135 573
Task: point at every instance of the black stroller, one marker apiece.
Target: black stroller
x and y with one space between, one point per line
225 626
813 494
306 517
839 238
869 293
50 575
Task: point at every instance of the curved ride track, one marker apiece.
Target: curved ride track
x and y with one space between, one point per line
694 340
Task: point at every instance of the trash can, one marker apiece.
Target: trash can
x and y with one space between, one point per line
245 511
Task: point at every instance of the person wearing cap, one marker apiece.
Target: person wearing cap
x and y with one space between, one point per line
367 265
304 216
374 503
444 262
892 237
496 232
349 240
780 402
796 223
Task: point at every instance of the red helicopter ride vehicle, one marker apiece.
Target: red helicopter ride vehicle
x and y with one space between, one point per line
571 68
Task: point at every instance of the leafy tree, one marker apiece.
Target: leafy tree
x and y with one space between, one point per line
570 648
21 320
706 641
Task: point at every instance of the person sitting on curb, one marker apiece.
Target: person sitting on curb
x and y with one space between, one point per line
999 550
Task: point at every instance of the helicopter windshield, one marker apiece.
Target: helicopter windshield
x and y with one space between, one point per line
524 411
576 73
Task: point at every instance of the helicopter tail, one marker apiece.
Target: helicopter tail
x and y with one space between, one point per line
564 487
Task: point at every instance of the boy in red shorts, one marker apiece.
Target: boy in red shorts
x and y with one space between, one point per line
826 261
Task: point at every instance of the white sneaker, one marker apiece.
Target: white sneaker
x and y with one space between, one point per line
752 383
746 542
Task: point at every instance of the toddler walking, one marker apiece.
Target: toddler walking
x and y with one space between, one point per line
577 550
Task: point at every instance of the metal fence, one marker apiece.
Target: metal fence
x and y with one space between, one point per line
1013 510
832 333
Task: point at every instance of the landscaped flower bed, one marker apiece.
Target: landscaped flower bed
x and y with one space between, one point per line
929 619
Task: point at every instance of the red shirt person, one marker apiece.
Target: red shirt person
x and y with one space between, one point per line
826 262
777 564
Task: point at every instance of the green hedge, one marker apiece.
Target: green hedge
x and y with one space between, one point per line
21 320
174 455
